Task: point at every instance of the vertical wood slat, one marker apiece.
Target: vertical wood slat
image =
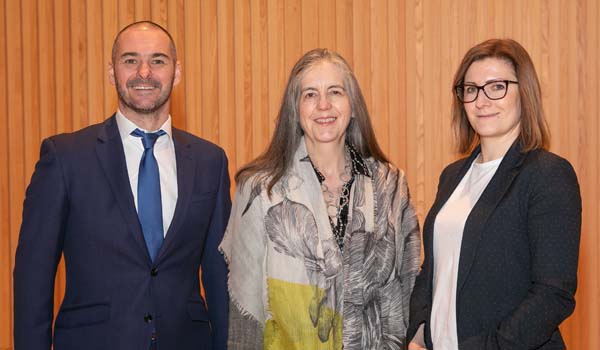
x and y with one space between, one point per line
31 89
361 43
589 38
142 10
110 28
176 25
62 68
380 75
259 91
292 34
414 105
192 74
243 85
237 55
14 126
126 10
6 254
158 11
310 24
79 70
209 87
96 71
275 60
47 76
226 77
326 26
344 29
396 80
434 119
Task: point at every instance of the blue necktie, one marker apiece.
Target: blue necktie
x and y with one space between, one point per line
149 201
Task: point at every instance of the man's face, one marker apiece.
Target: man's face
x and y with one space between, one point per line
144 70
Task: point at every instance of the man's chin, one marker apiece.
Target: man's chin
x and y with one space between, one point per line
143 109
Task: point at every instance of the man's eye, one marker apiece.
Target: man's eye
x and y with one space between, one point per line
158 62
309 95
337 92
130 61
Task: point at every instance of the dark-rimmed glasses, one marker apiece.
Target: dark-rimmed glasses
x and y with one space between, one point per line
494 90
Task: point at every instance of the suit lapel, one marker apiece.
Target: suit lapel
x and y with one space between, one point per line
185 186
112 159
485 206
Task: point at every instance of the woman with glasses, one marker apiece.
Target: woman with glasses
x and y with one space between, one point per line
501 240
323 242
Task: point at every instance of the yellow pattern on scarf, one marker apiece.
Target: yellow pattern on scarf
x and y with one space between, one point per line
291 328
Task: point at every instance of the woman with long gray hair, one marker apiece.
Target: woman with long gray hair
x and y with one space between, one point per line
323 242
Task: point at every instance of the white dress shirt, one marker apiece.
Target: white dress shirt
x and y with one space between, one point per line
164 152
447 238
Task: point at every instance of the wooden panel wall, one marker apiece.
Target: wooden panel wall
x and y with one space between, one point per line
236 56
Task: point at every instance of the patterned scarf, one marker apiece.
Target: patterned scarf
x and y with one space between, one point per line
288 273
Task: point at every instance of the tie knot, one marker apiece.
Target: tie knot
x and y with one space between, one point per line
148 139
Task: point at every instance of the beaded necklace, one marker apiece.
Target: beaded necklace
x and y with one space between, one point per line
338 208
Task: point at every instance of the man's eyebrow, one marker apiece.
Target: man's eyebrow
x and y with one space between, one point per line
130 54
154 55
160 54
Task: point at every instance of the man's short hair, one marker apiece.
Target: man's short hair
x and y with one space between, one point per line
141 23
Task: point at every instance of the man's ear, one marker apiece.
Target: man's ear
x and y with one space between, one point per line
111 73
178 70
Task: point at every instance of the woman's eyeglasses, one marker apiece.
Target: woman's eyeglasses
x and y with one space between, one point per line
494 90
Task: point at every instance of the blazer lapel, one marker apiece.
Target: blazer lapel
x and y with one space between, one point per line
448 186
112 159
485 206
185 186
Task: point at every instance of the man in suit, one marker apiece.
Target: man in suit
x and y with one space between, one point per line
136 207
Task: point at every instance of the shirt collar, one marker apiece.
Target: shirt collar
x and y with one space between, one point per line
126 126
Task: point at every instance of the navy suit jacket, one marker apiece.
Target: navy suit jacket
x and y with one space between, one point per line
79 203
517 271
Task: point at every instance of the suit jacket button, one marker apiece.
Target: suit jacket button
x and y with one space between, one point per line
147 318
153 272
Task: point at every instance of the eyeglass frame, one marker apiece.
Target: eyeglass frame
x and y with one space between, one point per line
482 88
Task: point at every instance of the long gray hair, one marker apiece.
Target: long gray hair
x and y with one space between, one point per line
277 159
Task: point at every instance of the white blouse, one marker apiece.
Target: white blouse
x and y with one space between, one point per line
447 238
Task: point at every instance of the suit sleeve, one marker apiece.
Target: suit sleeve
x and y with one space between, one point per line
214 269
554 228
45 210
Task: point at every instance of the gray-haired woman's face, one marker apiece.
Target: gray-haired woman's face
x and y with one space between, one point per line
324 105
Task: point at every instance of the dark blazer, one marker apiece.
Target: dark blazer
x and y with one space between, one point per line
79 203
518 261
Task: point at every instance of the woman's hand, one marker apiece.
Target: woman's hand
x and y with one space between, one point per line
418 341
415 346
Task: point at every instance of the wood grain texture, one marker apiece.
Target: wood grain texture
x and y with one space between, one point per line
236 55
5 228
